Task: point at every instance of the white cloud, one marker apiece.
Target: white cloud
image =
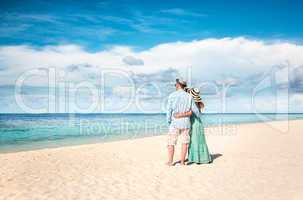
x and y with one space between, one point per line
297 99
209 58
130 60
231 60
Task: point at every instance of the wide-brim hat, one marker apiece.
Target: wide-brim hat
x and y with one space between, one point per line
195 93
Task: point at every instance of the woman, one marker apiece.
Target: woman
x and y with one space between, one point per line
198 150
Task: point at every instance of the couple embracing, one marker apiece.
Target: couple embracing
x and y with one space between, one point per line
184 111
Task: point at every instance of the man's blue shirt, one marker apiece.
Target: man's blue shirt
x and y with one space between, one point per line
180 102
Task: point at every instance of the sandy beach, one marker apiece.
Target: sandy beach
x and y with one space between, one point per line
251 161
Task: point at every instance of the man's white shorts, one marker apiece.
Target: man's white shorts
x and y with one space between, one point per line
174 133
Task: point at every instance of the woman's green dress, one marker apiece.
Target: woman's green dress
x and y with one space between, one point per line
198 150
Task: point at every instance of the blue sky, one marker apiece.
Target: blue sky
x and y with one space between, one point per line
241 45
98 24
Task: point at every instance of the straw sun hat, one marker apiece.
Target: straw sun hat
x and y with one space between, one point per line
195 92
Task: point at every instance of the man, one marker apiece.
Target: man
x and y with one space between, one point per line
178 102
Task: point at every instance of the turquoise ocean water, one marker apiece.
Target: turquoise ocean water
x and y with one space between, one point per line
19 132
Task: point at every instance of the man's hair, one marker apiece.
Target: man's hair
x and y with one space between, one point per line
182 83
182 86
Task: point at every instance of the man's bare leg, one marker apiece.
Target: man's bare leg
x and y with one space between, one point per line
171 151
184 150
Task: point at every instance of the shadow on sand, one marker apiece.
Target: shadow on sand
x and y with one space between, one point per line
213 156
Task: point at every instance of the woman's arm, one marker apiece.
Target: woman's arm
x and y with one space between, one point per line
185 114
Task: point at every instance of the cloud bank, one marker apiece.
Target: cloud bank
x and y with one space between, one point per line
240 62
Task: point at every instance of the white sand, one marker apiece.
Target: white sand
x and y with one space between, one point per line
257 162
